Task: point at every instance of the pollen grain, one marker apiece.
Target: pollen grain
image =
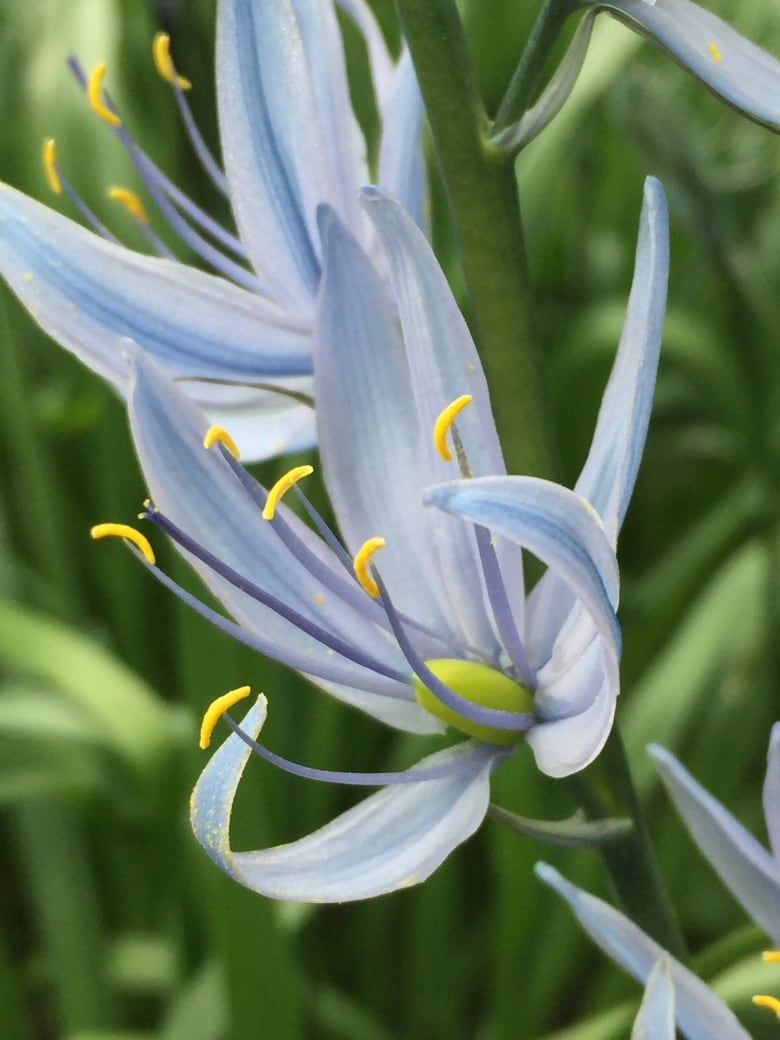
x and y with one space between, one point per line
219 434
217 709
95 95
130 201
161 52
141 542
361 561
282 486
49 159
446 418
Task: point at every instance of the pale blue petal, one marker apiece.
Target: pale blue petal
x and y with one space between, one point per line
608 477
198 491
88 293
288 133
736 70
655 1020
380 61
700 1014
393 839
401 159
772 795
744 866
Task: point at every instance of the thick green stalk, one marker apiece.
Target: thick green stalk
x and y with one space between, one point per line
482 192
606 789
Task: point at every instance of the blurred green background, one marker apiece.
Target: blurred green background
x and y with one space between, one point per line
113 923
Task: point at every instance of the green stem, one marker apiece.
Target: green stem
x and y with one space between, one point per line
606 789
525 80
482 192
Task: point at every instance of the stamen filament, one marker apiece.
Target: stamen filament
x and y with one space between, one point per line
282 485
218 434
141 542
95 95
130 201
161 52
217 709
445 420
49 158
360 564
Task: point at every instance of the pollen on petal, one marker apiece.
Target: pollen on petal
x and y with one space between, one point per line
443 423
161 52
49 158
95 95
361 562
130 201
217 709
141 542
283 485
219 434
715 54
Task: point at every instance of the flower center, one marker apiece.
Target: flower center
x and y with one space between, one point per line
480 684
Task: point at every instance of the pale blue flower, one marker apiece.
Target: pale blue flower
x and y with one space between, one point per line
699 1013
749 871
655 1020
451 609
290 142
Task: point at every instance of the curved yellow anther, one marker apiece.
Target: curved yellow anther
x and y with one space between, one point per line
283 485
768 1002
95 95
130 534
217 709
219 433
441 427
130 201
49 159
360 564
715 54
161 52
771 956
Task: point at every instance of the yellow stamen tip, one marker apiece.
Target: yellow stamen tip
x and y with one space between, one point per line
715 54
219 434
283 485
49 158
129 534
161 52
130 201
445 420
361 561
772 1003
95 95
217 709
771 956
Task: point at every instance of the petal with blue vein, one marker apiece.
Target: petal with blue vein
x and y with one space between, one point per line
772 795
393 839
744 866
700 1014
736 70
655 1020
401 160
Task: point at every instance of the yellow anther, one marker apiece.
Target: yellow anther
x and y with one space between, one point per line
771 956
49 158
217 709
283 485
161 52
442 425
715 54
130 201
130 534
95 95
768 1002
219 433
360 564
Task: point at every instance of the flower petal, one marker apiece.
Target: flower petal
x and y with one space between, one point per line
393 839
699 1013
772 795
88 293
655 1020
608 476
401 160
736 70
746 868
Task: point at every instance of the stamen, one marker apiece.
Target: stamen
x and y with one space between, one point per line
95 95
217 709
161 52
130 534
762 1000
283 485
49 158
130 201
220 434
715 54
445 420
360 565
771 956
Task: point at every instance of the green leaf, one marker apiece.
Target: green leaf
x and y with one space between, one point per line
575 832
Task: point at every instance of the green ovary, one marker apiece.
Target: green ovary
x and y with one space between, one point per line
481 685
